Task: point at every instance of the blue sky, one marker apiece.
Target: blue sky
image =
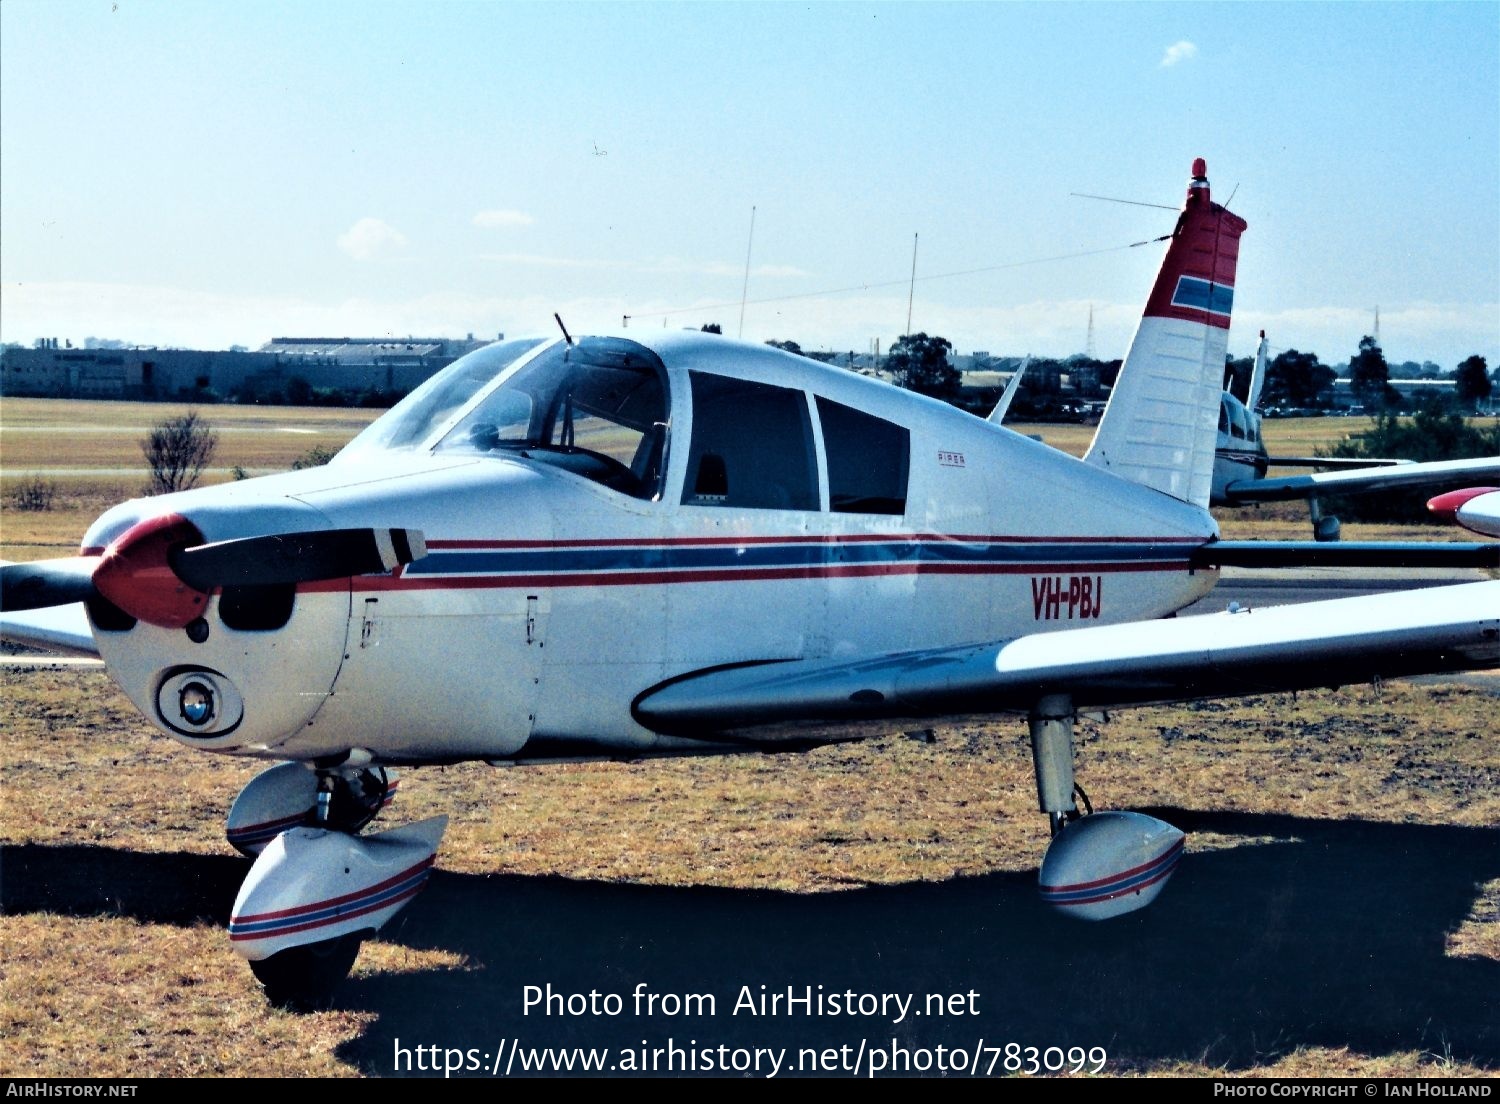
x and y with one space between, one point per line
211 173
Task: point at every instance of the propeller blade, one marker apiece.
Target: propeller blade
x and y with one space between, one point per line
44 583
297 557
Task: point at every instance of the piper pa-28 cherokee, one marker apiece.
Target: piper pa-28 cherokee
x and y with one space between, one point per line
676 544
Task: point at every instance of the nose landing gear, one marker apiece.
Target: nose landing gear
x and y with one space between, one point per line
317 890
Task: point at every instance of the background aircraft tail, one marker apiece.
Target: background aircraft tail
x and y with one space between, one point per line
1161 423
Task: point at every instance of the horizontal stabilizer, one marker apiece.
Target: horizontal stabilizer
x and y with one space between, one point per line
1408 554
1332 463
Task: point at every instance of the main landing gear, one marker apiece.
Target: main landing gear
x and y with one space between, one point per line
317 890
1098 865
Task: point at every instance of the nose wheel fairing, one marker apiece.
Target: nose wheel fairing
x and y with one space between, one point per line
310 886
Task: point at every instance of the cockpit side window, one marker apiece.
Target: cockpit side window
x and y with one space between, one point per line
597 408
752 446
868 460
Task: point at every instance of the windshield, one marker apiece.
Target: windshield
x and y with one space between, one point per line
415 418
597 408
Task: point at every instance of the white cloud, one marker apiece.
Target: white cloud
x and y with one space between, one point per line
502 219
370 237
1178 51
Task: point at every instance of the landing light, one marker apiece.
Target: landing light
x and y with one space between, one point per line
199 704
196 704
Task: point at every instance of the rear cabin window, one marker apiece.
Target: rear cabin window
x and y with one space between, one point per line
752 446
868 460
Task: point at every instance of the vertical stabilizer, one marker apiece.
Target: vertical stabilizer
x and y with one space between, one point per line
1160 426
1257 376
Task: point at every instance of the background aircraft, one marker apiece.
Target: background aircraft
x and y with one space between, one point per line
1241 461
678 544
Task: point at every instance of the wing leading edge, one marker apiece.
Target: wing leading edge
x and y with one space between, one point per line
1330 643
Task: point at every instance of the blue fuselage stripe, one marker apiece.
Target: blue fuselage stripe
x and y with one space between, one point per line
697 558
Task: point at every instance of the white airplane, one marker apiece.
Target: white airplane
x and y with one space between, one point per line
675 544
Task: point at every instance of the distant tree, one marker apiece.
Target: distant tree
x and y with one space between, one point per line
822 356
712 327
920 363
787 347
314 457
1297 379
177 452
1369 375
1472 381
299 392
1431 370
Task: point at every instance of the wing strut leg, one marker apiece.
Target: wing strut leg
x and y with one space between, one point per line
1051 722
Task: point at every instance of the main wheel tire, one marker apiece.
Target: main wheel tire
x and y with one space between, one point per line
303 979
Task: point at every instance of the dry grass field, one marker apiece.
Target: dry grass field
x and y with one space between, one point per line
1338 911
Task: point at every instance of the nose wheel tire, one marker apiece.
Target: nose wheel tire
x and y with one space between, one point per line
302 979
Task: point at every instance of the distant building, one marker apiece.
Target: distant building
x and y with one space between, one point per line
350 364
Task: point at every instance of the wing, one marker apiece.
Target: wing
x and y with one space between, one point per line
1223 655
1435 474
56 628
